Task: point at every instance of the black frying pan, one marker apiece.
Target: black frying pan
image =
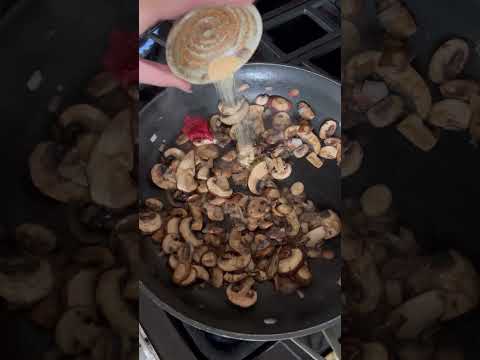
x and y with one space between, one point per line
207 308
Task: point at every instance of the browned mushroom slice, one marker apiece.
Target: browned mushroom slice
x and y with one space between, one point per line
304 276
158 178
182 139
449 60
280 169
460 89
307 135
451 114
305 111
234 278
328 152
191 277
396 19
219 186
111 163
301 151
207 152
386 112
185 175
395 53
327 129
361 66
352 157
216 277
255 114
201 273
171 243
376 200
316 237
315 160
154 204
209 259
235 241
297 188
411 86
290 260
258 173
214 213
198 252
181 272
231 262
149 221
364 275
187 234
418 314
45 176
174 153
414 129
242 294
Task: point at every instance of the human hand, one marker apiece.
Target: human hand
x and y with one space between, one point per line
151 12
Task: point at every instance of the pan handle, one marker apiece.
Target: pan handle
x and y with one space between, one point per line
329 335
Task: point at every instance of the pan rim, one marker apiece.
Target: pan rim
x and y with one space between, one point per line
228 333
233 334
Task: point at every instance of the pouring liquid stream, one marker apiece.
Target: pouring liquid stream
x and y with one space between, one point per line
245 130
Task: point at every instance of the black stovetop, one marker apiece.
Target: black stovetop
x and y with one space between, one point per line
316 45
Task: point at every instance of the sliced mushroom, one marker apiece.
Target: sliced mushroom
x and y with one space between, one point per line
304 276
376 200
172 225
44 164
187 234
297 188
111 163
234 278
364 273
315 237
460 89
411 86
185 175
255 115
290 260
203 173
214 213
158 178
242 294
219 186
199 252
208 152
85 116
258 173
395 18
310 138
281 121
451 114
328 152
327 129
216 277
305 111
414 130
258 207
292 220
175 153
386 112
27 283
113 306
291 131
361 66
281 170
301 151
171 243
201 273
418 314
76 331
230 156
279 103
230 262
315 160
209 259
36 239
449 60
191 277
197 215
149 221
352 158
154 204
182 272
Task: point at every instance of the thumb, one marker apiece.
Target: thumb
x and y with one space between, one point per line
153 73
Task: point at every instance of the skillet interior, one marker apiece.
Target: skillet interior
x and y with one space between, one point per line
208 308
